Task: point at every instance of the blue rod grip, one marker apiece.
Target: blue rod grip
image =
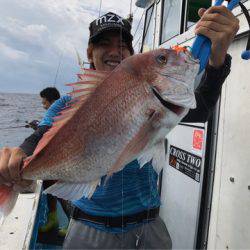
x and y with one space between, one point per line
245 55
232 4
201 48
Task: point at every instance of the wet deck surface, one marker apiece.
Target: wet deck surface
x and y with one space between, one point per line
50 240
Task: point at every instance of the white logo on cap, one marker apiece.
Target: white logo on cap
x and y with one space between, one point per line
111 18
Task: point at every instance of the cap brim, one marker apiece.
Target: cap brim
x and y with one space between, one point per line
126 35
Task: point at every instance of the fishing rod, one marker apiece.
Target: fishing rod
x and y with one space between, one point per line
33 124
23 126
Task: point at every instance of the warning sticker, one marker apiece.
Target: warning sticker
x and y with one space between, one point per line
198 138
187 163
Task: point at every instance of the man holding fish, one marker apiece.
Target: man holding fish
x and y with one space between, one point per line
106 149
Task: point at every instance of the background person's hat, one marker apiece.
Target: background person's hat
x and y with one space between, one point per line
110 22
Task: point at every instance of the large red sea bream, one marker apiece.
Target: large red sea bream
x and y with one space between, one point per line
114 117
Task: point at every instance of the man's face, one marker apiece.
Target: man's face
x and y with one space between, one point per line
108 52
46 104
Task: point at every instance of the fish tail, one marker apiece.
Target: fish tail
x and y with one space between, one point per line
8 198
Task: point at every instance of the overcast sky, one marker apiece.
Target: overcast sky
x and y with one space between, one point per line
39 37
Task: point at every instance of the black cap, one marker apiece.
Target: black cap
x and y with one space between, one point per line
111 22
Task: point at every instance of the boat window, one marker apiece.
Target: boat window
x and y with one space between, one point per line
192 11
148 34
171 19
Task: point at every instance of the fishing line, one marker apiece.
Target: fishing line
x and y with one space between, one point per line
149 172
57 70
122 170
150 197
148 209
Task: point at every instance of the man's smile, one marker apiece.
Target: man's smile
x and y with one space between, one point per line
112 63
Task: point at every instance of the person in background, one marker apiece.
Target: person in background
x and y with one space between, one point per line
49 95
127 216
53 107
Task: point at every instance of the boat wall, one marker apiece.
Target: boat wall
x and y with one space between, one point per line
17 229
229 220
230 217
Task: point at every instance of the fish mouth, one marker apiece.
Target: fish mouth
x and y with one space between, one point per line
172 107
179 80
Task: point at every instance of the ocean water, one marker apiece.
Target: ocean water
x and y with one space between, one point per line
15 109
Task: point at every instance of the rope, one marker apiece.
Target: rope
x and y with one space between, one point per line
146 30
139 23
136 9
138 42
166 15
137 28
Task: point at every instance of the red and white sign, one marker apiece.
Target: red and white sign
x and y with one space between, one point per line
198 138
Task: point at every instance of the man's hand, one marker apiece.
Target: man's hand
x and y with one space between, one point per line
11 160
220 26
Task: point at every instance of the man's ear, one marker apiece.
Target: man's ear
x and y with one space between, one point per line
90 53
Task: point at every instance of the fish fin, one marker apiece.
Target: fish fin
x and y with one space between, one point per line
72 191
133 148
156 154
8 198
89 80
92 75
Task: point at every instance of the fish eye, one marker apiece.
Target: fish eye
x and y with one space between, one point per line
162 59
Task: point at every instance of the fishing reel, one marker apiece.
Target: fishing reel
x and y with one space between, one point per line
33 124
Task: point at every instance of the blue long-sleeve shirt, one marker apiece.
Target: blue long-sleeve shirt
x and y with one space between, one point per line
54 110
